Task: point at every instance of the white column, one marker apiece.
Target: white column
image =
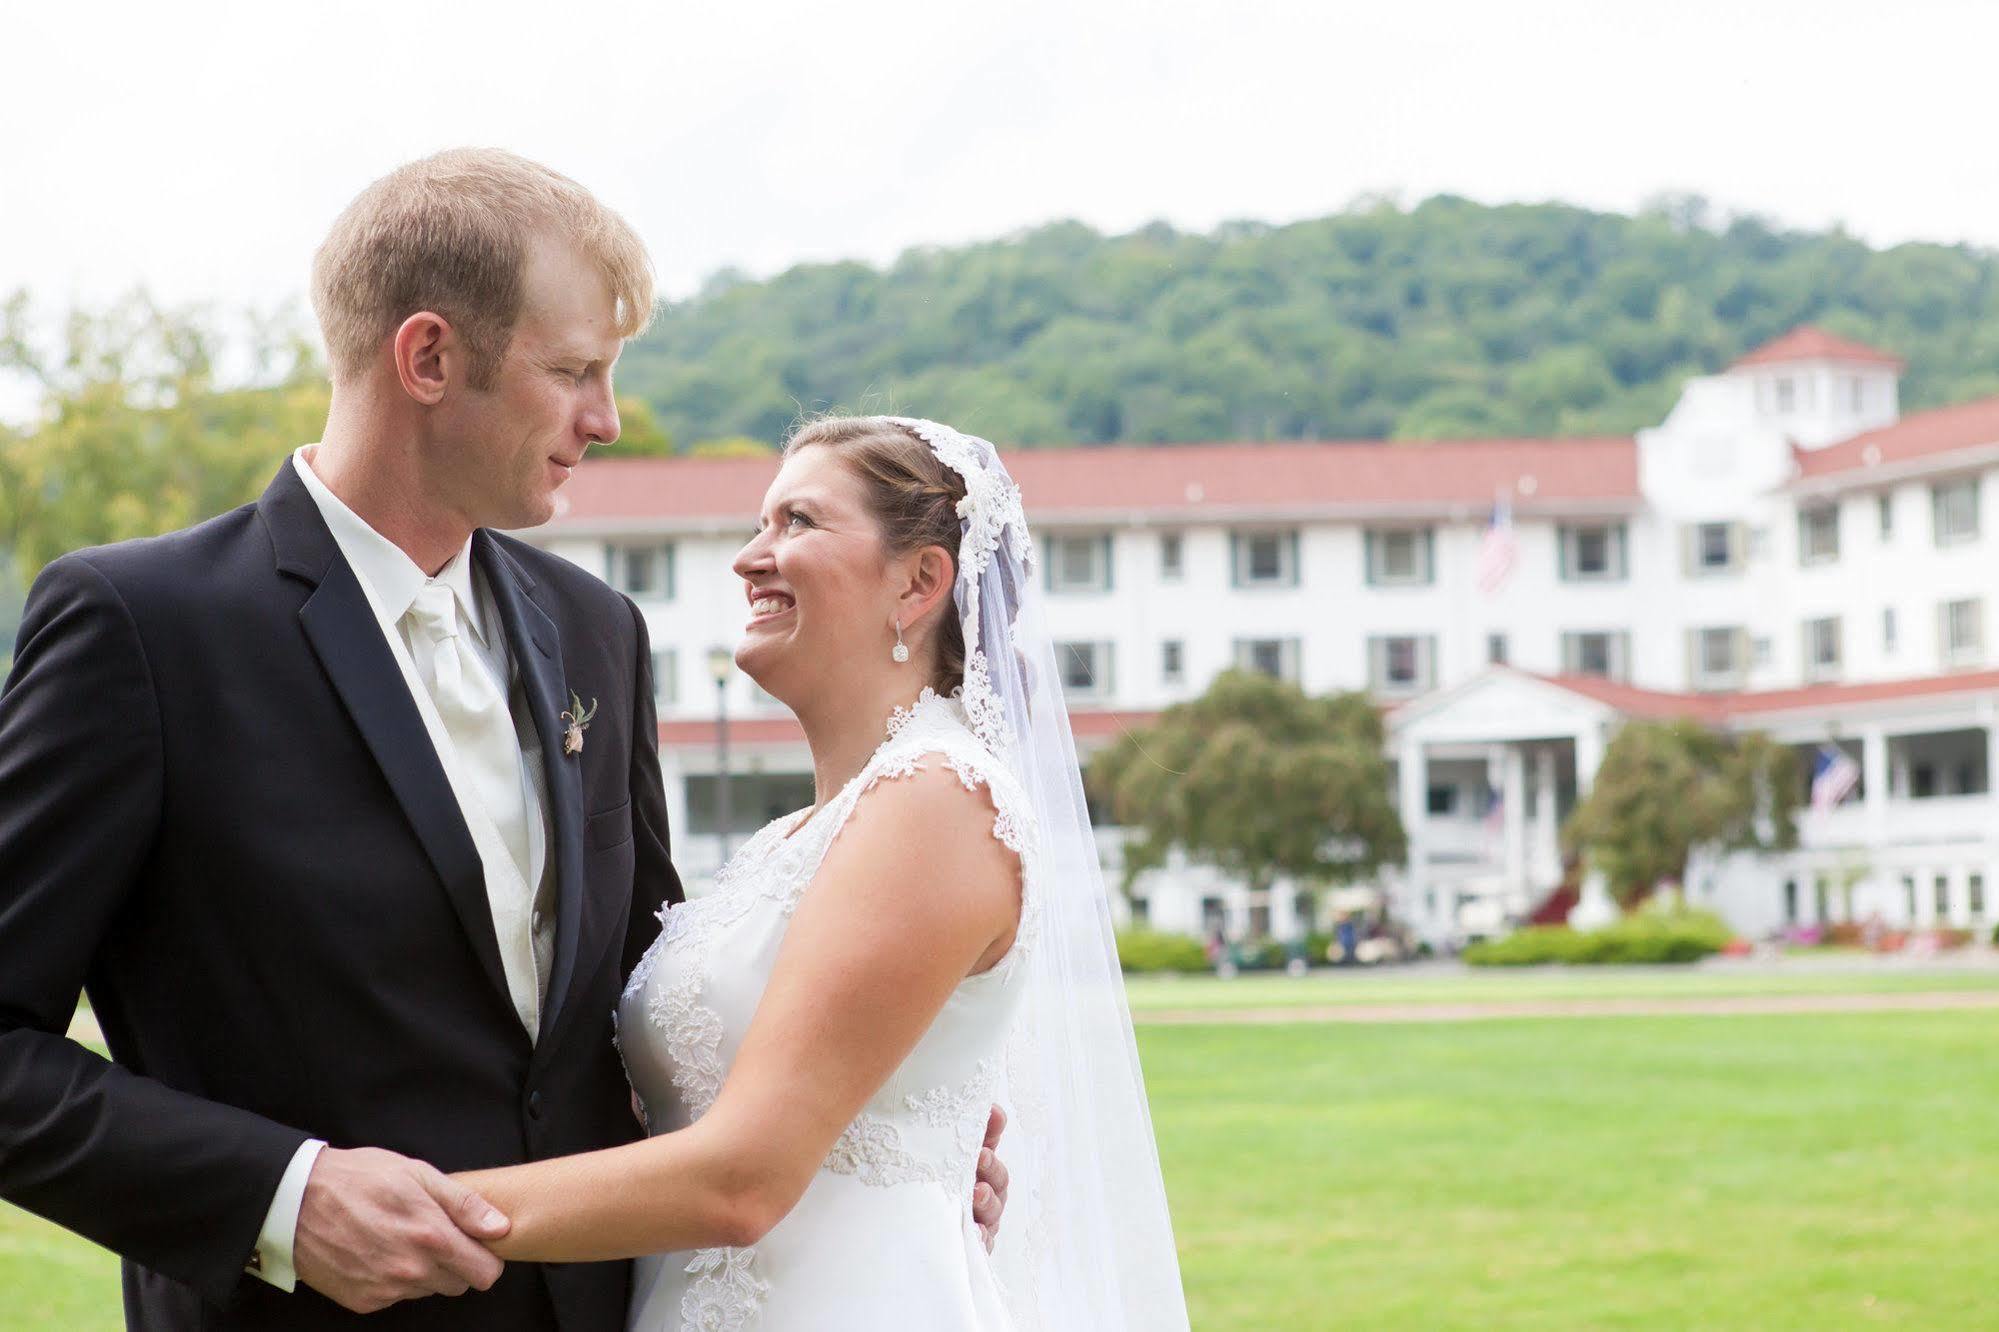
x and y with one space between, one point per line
1413 794
1874 784
1589 753
1992 767
1514 815
1547 830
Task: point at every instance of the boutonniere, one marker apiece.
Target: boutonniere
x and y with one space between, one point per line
578 718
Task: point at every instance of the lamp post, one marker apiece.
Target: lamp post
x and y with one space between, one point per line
721 662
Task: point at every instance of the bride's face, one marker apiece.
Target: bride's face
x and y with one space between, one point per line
817 580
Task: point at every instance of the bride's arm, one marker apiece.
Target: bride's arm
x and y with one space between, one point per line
914 894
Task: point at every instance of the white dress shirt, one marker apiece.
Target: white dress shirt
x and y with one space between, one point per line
520 896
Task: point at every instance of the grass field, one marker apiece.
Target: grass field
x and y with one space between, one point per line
1809 1172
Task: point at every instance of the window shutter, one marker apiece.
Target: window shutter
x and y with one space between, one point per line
1429 555
1369 559
1297 566
1106 548
1689 549
1565 567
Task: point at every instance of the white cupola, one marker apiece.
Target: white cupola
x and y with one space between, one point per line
1817 388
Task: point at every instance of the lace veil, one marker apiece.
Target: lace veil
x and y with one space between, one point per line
1087 1241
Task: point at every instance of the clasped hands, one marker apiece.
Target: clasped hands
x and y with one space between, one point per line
376 1228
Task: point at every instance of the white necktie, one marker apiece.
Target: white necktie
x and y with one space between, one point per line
474 713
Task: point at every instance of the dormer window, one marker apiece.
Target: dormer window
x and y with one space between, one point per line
1786 393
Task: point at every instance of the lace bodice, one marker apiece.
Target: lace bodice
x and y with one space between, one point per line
690 1000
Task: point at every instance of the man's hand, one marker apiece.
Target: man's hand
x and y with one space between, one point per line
375 1228
989 1194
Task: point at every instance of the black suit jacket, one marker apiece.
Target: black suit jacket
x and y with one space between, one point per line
221 815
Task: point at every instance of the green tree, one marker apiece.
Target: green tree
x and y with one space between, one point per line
134 435
1668 788
1258 779
1383 321
639 432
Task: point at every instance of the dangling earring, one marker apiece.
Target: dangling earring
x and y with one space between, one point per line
901 649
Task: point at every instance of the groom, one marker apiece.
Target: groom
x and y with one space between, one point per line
346 811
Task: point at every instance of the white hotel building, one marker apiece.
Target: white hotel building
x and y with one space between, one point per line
1785 552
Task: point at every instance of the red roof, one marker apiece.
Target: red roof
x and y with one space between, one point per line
1809 343
1716 709
1943 430
1182 478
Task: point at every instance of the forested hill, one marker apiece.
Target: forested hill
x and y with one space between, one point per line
1448 319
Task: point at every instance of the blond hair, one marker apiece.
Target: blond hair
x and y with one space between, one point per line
450 234
912 496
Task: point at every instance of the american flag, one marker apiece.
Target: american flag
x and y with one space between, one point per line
1834 776
1498 551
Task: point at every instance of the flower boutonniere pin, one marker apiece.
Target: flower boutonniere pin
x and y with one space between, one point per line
578 718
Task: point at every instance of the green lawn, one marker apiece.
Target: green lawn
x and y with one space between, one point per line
1448 985
1809 1172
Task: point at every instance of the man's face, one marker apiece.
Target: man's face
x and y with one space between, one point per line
510 446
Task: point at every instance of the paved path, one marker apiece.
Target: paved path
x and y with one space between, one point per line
1712 1005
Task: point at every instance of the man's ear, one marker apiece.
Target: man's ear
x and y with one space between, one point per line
428 355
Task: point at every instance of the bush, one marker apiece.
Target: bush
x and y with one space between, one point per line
1649 938
1154 950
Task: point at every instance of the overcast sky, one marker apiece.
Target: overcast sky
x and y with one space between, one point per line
202 147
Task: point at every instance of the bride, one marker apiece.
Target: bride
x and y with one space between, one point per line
815 1044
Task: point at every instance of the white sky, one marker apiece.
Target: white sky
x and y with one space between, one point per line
202 147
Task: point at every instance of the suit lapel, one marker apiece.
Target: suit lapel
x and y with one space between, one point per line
537 652
344 634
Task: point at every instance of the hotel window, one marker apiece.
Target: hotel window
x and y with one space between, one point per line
642 572
1818 534
1884 511
1592 553
1713 548
1941 890
1888 631
1264 559
1954 511
1787 394
1790 901
1495 649
1401 557
1909 898
1079 563
1171 567
1822 648
665 678
1274 657
1441 801
1856 393
1717 658
1086 669
1974 889
1401 663
1602 653
1172 661
1961 632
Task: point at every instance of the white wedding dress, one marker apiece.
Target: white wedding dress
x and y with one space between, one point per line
883 1237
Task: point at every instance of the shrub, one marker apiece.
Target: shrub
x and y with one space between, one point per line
1648 938
1154 950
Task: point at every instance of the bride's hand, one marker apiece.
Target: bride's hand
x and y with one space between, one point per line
989 1193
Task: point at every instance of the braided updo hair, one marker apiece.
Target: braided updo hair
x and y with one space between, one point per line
913 497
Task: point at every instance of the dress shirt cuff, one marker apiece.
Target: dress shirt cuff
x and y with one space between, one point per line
272 1261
